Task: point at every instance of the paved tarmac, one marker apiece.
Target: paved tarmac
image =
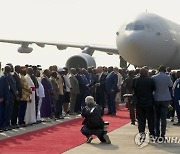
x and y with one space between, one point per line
123 143
122 140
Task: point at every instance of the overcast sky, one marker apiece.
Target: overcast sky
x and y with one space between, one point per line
77 21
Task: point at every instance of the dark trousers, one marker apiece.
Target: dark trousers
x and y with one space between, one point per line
161 108
36 104
77 107
9 111
177 108
83 96
15 113
21 112
132 112
72 102
88 132
100 98
172 112
2 115
58 106
111 102
143 113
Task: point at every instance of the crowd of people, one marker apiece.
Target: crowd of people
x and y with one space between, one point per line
156 97
29 95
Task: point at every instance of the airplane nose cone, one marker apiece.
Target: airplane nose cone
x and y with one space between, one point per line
130 49
139 49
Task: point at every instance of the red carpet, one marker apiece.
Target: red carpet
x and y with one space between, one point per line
56 139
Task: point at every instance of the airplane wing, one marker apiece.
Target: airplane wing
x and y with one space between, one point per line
63 46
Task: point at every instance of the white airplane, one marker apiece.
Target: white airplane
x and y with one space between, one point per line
147 39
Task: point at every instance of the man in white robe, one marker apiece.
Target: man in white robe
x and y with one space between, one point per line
30 116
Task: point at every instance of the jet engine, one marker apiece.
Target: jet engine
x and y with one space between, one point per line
82 60
25 49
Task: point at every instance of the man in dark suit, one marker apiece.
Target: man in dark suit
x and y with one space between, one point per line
74 91
176 97
4 99
16 102
13 96
99 83
111 90
80 100
143 88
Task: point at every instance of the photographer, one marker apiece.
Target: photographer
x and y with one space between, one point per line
93 123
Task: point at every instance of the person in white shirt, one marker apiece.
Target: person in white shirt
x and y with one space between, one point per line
118 95
41 95
67 90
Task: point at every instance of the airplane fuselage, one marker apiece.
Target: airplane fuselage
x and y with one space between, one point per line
150 40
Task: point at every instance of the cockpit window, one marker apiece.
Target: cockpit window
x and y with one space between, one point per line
135 26
138 27
130 27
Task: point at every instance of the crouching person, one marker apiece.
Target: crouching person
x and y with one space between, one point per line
93 122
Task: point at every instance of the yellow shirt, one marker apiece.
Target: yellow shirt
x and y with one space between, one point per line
26 90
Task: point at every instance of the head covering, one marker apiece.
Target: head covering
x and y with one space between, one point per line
60 70
23 67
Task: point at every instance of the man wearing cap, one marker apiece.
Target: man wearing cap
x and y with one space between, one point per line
93 122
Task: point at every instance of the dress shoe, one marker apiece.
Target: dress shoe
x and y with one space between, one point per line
108 113
106 137
132 123
89 139
61 117
177 124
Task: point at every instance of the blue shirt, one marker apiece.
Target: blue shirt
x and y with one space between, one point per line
163 82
